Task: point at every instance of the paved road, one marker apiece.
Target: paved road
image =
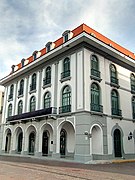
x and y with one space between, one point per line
54 170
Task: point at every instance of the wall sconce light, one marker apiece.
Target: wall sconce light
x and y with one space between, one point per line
88 135
130 136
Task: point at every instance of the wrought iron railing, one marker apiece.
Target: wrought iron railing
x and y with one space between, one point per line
96 107
114 80
10 96
46 81
20 92
116 112
33 87
95 73
41 112
65 74
65 109
132 88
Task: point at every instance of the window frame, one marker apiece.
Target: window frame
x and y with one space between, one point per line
20 107
32 104
47 100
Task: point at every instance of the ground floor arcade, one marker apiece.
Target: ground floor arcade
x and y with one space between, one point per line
68 137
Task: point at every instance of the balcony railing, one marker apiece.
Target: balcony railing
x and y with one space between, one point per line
97 108
134 116
32 87
33 114
46 81
114 80
10 96
132 88
95 73
20 92
64 109
65 74
116 112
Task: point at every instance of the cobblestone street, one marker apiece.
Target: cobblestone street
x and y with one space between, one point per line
53 170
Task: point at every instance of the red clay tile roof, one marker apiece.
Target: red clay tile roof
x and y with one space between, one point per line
92 32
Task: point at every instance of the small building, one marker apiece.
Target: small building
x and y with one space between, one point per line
75 98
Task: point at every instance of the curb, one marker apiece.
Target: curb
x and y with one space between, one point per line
123 161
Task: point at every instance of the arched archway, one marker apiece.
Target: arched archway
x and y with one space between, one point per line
63 139
97 140
45 143
46 136
8 141
32 137
117 143
66 145
20 139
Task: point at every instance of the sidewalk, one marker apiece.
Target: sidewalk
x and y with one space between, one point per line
49 160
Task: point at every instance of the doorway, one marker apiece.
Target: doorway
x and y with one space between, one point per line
63 137
31 143
117 143
8 142
20 138
45 141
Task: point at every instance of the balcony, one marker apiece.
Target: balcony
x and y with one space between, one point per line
46 81
30 115
95 73
133 89
33 87
116 112
134 116
114 82
10 97
64 109
20 92
65 74
97 108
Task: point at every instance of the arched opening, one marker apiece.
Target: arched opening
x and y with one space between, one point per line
117 143
66 145
97 140
45 143
32 143
20 139
8 141
63 140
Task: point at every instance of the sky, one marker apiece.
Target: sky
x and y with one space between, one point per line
26 26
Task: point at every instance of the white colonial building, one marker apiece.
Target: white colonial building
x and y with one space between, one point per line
74 98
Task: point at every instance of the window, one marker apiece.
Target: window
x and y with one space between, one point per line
48 48
47 79
47 100
34 56
13 68
10 110
66 100
133 107
22 62
33 82
66 38
132 80
20 92
113 75
95 98
20 107
95 66
11 92
115 103
66 68
32 103
67 35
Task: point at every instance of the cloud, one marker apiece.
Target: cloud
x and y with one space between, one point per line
26 25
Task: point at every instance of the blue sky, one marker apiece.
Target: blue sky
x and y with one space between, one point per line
26 26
